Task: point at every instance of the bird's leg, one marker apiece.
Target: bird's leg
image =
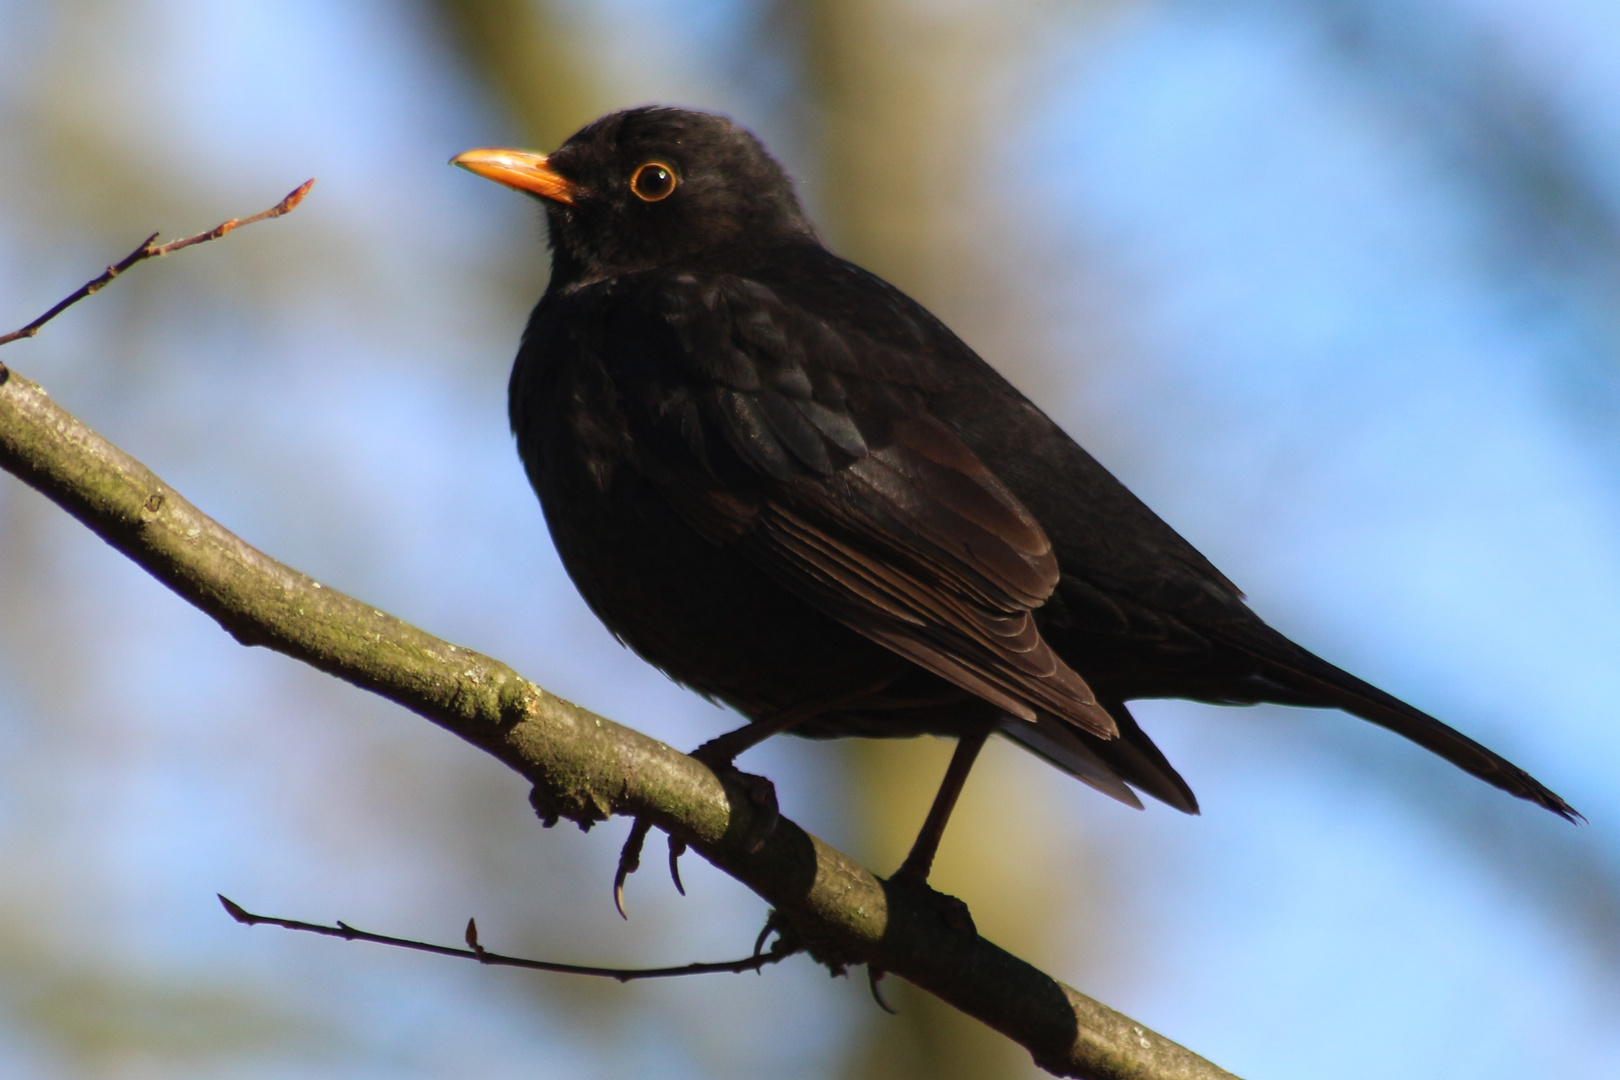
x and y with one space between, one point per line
913 873
720 750
717 754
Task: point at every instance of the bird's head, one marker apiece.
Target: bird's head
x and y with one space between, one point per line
650 187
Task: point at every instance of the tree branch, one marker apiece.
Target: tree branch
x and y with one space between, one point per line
583 767
780 950
150 249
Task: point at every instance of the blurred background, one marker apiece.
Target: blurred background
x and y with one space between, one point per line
1332 284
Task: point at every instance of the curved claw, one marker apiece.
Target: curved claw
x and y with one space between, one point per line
874 976
629 861
677 848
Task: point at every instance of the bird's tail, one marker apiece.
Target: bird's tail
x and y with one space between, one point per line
1107 764
1331 687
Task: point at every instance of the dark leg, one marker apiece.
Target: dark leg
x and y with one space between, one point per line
721 749
717 753
914 871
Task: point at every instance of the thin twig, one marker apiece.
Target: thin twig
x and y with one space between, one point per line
779 950
149 249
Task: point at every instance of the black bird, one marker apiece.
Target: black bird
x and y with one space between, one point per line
781 480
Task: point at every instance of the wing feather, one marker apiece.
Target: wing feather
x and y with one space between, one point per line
778 434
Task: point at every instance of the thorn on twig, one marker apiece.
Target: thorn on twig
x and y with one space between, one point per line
475 951
150 249
629 861
874 976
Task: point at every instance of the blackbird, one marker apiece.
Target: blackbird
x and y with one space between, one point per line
782 481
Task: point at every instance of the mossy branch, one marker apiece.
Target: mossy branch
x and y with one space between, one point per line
583 767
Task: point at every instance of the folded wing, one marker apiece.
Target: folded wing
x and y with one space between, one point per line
773 433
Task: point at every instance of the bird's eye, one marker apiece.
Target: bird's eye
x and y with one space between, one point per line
653 181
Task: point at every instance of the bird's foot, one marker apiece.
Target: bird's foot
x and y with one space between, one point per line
953 911
629 860
874 982
677 848
759 791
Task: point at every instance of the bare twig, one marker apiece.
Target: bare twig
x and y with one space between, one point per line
150 249
780 950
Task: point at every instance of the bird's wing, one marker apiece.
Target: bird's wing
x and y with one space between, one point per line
770 429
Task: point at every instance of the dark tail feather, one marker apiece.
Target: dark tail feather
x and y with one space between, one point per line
1062 744
1134 757
1106 764
1334 688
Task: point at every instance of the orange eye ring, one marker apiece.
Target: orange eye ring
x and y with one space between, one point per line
653 181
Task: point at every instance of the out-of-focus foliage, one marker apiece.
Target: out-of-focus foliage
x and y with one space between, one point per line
1328 283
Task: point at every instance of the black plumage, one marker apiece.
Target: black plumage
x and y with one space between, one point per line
785 483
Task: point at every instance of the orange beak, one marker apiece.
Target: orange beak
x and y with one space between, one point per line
519 169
